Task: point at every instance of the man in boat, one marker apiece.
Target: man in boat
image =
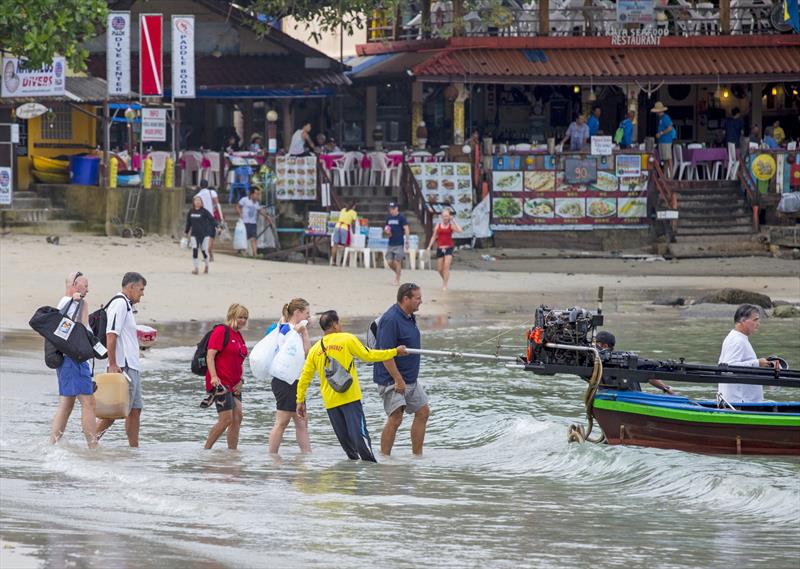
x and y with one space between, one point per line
606 341
737 351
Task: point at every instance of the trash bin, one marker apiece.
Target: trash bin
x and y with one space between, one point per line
84 170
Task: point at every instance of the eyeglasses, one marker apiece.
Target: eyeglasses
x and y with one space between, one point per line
78 275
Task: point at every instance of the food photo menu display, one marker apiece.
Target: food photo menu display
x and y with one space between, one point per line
296 178
544 200
447 184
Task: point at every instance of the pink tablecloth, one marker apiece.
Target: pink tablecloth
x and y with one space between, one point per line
695 155
392 160
329 160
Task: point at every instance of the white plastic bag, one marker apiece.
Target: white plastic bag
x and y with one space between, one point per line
288 362
184 242
263 354
240 236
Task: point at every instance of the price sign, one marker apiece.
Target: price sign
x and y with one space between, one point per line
580 171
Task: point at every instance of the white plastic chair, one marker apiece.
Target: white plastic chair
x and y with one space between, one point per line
679 166
344 171
159 161
191 167
379 173
212 173
733 163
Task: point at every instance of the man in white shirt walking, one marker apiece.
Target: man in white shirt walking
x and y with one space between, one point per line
737 351
123 350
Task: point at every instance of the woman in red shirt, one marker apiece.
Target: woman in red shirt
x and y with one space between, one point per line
443 236
225 368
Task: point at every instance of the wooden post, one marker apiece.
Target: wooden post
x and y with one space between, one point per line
459 126
425 21
416 111
458 18
544 17
106 141
396 24
725 16
370 115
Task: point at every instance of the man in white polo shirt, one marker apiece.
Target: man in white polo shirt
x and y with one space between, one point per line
737 351
123 350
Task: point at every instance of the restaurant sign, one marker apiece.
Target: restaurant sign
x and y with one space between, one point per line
635 11
296 178
447 184
540 196
19 80
637 38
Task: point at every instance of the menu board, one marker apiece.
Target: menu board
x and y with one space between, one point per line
448 184
296 178
545 200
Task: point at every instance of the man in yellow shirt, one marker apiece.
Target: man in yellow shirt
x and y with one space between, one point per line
347 216
332 358
777 132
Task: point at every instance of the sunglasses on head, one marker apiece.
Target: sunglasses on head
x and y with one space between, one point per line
77 276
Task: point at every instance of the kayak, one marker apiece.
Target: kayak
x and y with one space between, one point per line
44 164
51 177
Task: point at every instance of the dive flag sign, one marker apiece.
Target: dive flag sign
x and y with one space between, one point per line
118 53
151 73
183 57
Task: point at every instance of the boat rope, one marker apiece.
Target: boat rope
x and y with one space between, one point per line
496 339
577 433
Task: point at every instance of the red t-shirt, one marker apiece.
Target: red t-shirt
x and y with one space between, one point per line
444 236
228 361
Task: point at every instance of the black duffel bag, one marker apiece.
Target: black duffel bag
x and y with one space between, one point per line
52 357
66 335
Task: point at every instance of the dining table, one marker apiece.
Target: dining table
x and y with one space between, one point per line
392 160
697 156
329 160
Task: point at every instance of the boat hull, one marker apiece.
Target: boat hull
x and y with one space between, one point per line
44 164
51 177
678 423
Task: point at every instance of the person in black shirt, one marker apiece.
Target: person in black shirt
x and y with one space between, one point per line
199 225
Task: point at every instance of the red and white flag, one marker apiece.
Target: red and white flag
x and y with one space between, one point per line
151 73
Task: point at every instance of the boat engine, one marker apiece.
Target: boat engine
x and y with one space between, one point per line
574 327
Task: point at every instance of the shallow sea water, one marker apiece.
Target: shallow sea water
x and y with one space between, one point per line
499 486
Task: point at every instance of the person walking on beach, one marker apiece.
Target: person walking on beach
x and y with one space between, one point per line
737 351
249 208
398 230
332 358
199 225
74 378
210 200
445 246
226 354
341 233
123 350
295 315
397 380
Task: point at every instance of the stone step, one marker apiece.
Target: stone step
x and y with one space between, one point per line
710 194
30 200
712 223
715 230
52 227
710 203
718 212
695 248
702 184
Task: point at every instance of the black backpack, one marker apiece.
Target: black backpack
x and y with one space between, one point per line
98 320
199 363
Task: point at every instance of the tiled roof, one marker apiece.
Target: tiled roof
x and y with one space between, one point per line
612 65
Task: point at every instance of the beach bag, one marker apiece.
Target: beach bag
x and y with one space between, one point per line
98 320
263 354
240 236
288 362
372 333
790 203
619 135
339 378
112 398
52 357
69 337
199 364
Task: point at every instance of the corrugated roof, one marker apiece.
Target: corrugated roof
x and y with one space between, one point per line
393 66
611 65
255 71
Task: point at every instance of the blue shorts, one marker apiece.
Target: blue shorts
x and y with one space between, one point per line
340 236
74 378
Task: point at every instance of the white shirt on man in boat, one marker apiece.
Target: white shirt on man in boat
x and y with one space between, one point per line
737 351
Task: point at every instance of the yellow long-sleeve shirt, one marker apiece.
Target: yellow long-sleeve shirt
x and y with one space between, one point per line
342 347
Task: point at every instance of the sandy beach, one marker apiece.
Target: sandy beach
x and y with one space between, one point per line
32 273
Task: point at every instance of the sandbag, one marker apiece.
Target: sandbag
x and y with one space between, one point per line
288 362
263 354
240 236
790 203
112 398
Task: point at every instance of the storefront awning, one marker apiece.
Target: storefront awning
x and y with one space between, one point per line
568 66
387 66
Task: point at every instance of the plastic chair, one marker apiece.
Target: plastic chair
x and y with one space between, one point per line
378 170
678 164
241 181
212 173
733 163
159 162
190 172
344 170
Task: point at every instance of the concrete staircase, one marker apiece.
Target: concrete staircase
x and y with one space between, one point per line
714 221
373 202
34 215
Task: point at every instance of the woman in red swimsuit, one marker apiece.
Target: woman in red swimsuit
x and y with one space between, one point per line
443 236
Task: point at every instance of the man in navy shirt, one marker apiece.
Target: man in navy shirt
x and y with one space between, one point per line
397 379
734 126
594 121
397 228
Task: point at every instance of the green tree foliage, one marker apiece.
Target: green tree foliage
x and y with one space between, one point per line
41 29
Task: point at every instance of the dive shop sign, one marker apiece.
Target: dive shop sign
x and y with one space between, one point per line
118 53
183 57
19 80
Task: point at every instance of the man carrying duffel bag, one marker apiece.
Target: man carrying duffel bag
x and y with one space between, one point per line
69 344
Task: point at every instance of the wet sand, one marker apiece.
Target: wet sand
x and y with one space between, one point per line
32 274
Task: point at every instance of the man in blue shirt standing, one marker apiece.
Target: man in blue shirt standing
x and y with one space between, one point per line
397 228
397 379
627 130
594 121
665 136
734 126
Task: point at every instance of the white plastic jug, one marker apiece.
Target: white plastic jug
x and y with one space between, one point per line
112 398
240 236
263 354
288 362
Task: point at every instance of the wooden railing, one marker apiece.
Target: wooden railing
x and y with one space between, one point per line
323 178
416 201
666 197
750 190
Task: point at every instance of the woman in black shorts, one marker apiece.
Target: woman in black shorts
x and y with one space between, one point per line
294 315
